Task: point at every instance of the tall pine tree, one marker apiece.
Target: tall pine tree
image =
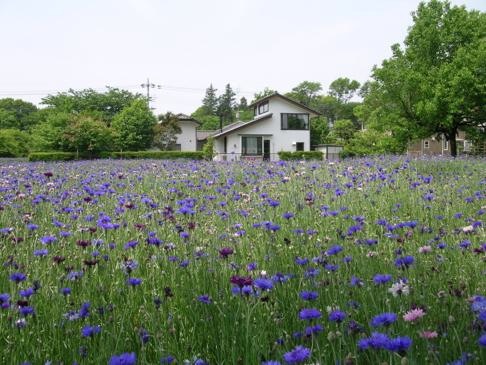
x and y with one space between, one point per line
226 105
210 101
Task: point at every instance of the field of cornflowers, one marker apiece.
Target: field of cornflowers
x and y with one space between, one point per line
154 262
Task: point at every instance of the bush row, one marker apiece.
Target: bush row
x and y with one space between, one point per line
300 155
66 156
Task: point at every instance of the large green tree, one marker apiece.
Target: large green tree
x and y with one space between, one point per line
48 134
133 127
14 143
166 131
210 101
436 82
226 105
102 105
343 89
87 135
306 93
17 113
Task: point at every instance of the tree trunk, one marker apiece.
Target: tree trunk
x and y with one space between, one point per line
453 143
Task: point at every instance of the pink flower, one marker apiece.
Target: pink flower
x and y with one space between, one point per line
428 335
425 249
413 315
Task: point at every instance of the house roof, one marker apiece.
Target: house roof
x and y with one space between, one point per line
230 128
286 99
185 117
202 135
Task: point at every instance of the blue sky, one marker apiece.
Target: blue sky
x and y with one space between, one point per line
184 45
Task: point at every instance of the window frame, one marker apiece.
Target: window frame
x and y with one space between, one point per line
298 144
263 107
426 144
244 146
293 129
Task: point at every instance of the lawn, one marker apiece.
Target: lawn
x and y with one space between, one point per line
358 262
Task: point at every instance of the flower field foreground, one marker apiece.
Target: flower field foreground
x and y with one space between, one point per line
151 262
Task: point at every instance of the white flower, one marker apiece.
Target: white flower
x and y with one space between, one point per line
400 288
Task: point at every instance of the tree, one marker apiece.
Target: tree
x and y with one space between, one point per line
306 93
435 83
371 142
343 130
133 127
48 134
16 113
343 89
101 105
208 121
210 101
88 136
166 131
226 104
14 143
243 105
263 94
319 131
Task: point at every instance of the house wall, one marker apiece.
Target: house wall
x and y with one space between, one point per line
187 137
280 140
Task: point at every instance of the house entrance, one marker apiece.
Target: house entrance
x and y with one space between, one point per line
266 150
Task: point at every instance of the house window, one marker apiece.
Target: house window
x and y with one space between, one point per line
467 146
263 107
251 146
426 144
446 145
294 121
299 146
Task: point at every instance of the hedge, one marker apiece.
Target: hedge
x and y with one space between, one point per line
66 156
300 155
163 155
52 156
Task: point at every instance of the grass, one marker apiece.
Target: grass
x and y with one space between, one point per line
181 214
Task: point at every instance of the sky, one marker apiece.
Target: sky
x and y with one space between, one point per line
182 46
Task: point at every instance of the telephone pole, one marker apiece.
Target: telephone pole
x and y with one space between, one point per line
148 85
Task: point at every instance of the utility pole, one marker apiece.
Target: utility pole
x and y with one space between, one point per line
149 86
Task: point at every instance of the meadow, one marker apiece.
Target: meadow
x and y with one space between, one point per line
364 261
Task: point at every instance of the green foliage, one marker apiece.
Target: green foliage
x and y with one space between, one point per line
436 83
319 131
343 130
14 143
210 101
163 155
208 149
263 94
165 132
16 113
343 89
226 105
88 101
208 121
300 155
52 156
133 127
306 93
48 134
371 142
87 135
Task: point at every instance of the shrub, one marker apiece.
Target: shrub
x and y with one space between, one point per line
208 149
13 143
300 155
52 156
164 155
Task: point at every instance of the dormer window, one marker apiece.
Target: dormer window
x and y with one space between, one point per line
261 108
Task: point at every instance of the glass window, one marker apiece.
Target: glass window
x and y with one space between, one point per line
263 107
426 144
251 145
299 146
295 121
446 145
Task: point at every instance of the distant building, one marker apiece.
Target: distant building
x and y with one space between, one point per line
440 146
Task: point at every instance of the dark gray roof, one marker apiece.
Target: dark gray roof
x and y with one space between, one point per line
185 117
239 125
287 99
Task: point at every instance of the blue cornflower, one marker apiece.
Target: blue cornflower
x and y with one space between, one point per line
334 250
204 299
482 340
313 330
399 344
309 314
41 252
127 358
337 316
271 362
404 262
26 292
167 360
25 311
288 215
32 226
90 331
297 355
301 261
134 281
308 295
263 284
65 291
381 278
46 240
384 319
17 277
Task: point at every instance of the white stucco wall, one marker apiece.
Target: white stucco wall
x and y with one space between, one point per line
280 140
187 137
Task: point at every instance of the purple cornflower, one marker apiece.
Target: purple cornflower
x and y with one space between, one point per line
309 314
270 362
167 360
134 281
90 331
25 311
288 215
381 278
337 316
297 355
225 252
398 344
27 292
42 252
4 300
301 261
384 319
127 358
334 250
46 240
482 340
313 330
65 291
308 295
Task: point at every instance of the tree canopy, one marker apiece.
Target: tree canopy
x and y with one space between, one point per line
436 82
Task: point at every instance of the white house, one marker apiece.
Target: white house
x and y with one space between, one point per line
279 124
187 139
